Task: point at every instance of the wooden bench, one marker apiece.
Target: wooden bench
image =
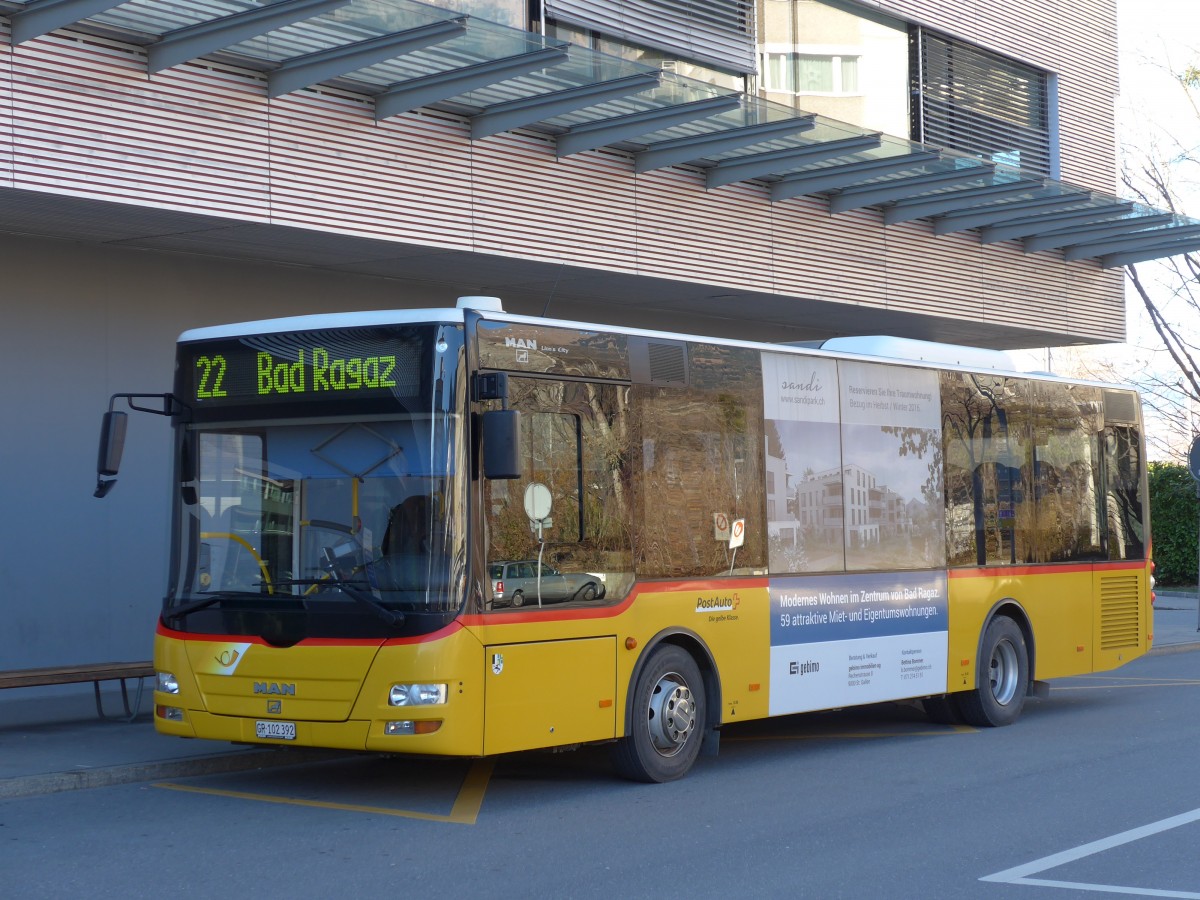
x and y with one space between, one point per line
93 672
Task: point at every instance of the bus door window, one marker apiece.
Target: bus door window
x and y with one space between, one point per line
574 438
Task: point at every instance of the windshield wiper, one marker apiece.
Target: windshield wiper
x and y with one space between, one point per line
208 600
362 598
392 617
330 564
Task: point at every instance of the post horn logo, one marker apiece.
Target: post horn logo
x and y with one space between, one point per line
227 658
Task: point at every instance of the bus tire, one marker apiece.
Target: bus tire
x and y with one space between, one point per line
1002 680
668 720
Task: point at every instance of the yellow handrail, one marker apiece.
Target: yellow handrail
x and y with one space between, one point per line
230 536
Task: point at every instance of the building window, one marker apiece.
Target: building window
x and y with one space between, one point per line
506 12
711 41
822 58
970 99
806 73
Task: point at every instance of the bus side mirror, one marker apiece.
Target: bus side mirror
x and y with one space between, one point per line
501 443
112 445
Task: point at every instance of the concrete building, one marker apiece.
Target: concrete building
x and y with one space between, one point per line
774 169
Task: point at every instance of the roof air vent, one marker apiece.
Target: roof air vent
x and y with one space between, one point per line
481 304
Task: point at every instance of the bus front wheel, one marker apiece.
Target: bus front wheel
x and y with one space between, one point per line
1003 678
668 719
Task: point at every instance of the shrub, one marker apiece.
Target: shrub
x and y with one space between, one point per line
1173 520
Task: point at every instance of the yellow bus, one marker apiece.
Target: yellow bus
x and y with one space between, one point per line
464 532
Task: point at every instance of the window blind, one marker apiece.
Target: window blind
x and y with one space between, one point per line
969 99
717 33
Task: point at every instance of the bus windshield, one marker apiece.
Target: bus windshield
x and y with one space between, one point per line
321 514
323 518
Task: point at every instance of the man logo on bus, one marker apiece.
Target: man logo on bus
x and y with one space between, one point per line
272 687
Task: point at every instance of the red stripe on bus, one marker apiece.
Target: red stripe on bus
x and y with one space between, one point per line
255 639
556 614
1049 569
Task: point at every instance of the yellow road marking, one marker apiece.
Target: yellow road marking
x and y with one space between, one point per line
464 812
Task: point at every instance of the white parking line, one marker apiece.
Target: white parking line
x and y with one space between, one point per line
1020 874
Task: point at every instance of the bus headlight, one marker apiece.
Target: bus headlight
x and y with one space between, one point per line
417 695
168 683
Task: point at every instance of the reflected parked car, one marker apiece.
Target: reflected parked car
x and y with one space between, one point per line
516 583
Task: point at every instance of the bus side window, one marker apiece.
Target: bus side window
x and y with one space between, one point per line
985 434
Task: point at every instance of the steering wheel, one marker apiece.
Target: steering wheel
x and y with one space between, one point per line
347 550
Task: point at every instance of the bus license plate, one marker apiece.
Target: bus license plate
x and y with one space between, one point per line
280 731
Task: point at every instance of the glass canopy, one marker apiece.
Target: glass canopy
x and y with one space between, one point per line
407 54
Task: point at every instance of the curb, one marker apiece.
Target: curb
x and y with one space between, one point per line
1167 649
83 779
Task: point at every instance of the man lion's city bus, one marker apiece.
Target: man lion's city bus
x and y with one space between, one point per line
462 532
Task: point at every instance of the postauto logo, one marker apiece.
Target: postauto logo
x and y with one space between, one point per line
717 604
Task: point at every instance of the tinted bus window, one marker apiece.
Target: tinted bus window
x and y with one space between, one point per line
985 434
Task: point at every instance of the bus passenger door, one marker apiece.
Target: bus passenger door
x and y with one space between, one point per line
549 693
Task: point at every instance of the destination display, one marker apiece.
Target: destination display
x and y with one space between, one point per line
301 367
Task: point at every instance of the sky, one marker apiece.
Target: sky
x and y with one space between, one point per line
1155 37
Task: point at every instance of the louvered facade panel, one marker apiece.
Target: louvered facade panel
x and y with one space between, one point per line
578 210
939 276
334 168
1090 290
728 232
1027 289
1074 40
6 96
86 121
836 258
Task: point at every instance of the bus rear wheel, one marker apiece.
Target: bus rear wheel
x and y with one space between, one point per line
1002 680
668 719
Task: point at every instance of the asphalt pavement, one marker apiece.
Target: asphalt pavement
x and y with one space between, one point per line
54 741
